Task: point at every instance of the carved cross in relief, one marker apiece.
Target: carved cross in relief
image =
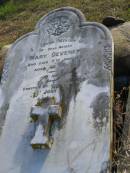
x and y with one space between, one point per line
46 113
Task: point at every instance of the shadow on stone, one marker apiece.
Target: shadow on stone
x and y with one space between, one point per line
26 157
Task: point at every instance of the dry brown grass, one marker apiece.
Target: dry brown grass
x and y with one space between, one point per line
20 18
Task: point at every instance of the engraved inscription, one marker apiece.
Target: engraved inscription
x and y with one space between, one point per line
107 57
45 64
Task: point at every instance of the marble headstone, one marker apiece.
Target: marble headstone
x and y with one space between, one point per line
66 62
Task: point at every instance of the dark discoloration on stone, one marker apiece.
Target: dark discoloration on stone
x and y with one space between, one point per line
68 83
72 74
105 167
100 107
3 113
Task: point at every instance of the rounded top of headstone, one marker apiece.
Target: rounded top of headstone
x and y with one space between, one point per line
61 20
58 12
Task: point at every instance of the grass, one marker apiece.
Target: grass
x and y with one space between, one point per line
18 17
93 9
9 9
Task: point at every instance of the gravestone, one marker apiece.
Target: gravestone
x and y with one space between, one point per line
57 83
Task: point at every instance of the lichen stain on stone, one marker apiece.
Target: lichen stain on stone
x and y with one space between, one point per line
68 83
100 106
70 77
3 113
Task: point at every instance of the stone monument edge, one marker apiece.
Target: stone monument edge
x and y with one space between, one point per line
83 22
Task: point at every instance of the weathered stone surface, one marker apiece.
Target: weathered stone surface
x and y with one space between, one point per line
67 62
121 37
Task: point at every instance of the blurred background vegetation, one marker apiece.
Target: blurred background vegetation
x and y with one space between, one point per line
18 17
